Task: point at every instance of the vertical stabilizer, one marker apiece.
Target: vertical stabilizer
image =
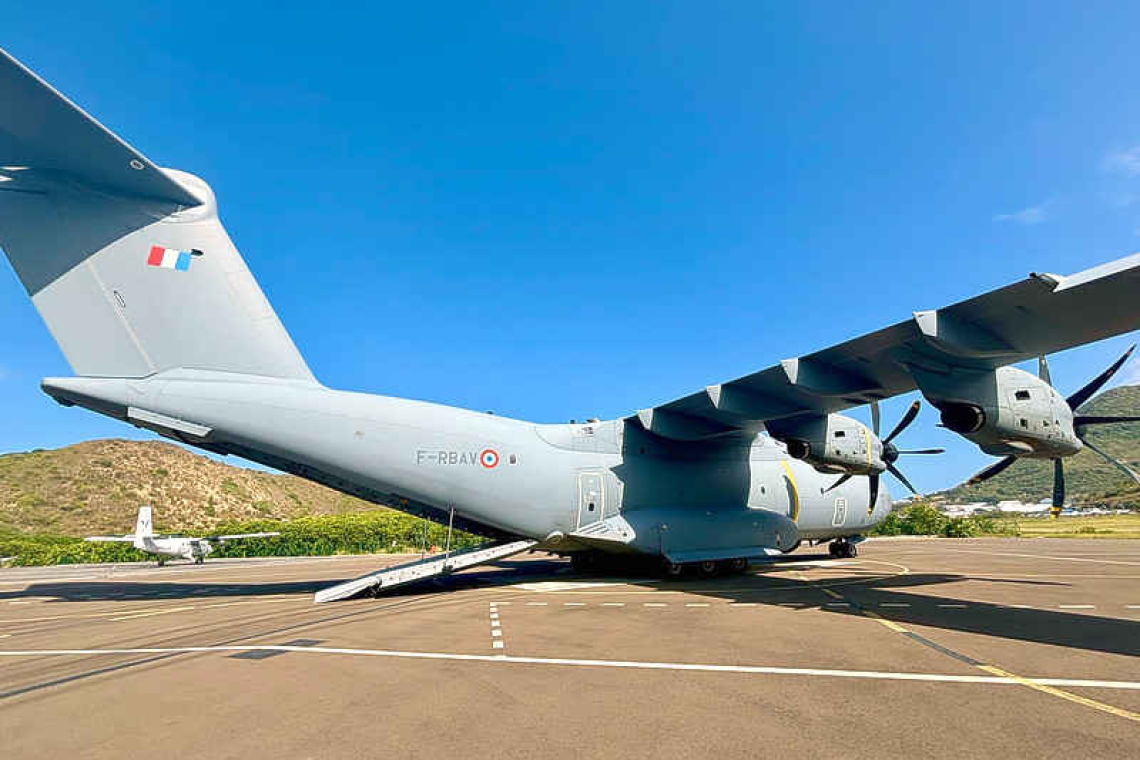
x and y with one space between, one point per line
144 526
127 263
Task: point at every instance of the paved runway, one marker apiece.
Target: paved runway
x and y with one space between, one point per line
932 648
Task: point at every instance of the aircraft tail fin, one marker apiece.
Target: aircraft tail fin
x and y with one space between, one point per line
127 263
144 525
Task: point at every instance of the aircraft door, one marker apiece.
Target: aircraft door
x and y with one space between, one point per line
591 498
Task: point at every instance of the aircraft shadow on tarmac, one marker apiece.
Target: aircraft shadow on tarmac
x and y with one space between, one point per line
885 594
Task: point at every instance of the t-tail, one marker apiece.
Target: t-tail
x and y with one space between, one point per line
126 262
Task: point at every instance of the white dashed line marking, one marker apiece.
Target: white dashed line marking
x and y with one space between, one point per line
613 604
697 604
838 604
742 604
953 606
536 604
496 627
655 604
573 604
893 604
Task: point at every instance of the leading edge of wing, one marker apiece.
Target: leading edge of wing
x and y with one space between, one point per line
1039 315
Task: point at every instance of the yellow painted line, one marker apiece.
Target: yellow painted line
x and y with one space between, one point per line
993 670
888 623
305 599
1117 711
795 491
103 614
151 614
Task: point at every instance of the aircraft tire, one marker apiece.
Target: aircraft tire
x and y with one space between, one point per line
738 565
708 569
672 569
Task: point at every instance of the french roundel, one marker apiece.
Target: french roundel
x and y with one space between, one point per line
489 458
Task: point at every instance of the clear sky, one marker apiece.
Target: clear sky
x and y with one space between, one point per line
556 211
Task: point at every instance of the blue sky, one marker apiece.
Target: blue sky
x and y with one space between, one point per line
573 210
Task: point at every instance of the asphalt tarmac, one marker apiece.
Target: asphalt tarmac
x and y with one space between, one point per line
917 648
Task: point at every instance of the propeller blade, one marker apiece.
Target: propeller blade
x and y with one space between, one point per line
1058 486
1084 394
902 478
839 482
922 451
907 418
875 417
874 490
1043 369
990 471
1113 461
1081 420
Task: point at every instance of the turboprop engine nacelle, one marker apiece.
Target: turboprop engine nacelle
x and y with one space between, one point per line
832 443
1005 412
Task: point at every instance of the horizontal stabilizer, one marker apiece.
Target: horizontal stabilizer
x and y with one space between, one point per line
46 132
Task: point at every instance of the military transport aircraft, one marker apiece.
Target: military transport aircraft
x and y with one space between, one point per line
166 329
145 540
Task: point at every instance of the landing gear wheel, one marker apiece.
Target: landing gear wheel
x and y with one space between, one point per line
842 548
673 569
582 562
199 560
708 569
738 565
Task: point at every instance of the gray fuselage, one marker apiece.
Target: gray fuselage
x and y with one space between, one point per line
546 482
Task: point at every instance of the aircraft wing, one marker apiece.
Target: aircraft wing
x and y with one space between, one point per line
1039 315
111 539
235 536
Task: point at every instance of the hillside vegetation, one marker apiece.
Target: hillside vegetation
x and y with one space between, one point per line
98 486
1090 481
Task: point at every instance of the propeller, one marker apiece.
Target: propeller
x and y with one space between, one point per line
1080 423
891 453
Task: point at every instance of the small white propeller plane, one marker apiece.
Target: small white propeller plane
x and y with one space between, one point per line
145 540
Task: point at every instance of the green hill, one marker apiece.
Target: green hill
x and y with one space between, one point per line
97 487
1089 480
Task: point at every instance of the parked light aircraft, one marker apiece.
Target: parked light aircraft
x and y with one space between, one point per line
145 540
166 329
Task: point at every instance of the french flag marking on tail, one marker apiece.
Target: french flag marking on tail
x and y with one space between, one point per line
168 258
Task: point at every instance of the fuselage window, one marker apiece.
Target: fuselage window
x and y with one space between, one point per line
840 433
1021 395
1024 422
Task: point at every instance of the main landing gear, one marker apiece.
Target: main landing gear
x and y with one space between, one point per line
706 569
841 547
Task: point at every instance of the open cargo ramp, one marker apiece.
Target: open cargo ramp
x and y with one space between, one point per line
424 569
